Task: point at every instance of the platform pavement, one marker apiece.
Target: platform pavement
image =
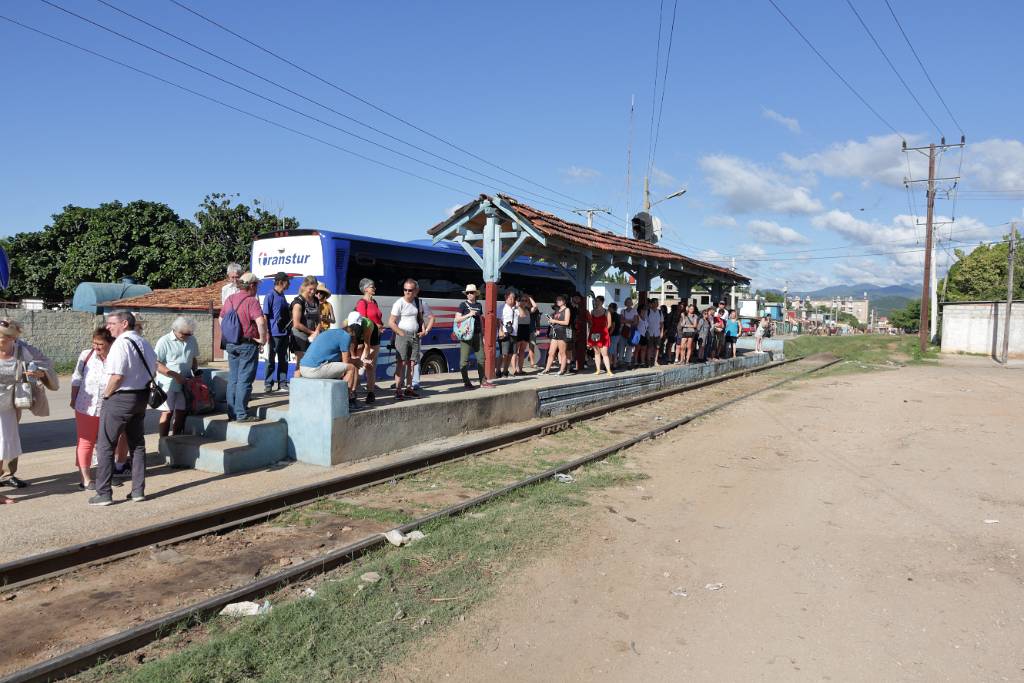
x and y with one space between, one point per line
52 511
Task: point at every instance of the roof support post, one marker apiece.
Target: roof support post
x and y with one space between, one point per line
492 273
643 284
685 285
717 291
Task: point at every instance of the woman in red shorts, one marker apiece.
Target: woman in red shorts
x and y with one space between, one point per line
600 323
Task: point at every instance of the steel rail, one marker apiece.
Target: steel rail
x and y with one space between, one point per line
89 655
34 568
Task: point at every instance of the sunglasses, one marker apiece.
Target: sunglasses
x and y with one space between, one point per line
408 290
185 334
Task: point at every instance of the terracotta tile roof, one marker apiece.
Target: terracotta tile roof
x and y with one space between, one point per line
579 235
184 299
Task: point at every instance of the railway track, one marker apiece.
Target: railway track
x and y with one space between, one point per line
48 565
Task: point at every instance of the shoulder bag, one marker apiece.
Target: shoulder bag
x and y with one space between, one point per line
157 396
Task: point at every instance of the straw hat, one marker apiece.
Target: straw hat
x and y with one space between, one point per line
471 289
10 328
321 287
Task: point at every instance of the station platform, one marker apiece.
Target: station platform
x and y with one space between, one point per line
313 425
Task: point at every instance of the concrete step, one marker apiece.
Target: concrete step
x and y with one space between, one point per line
214 455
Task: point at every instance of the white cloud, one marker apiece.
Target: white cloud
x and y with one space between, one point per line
581 174
792 124
771 232
720 222
750 251
747 186
879 159
994 165
837 197
660 178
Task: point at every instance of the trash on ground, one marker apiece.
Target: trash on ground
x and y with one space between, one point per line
370 577
308 592
396 537
991 521
399 615
679 592
416 535
246 609
563 478
714 586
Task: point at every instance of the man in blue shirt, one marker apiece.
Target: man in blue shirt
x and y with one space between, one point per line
331 355
275 308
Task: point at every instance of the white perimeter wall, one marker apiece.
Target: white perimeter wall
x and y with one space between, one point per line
978 328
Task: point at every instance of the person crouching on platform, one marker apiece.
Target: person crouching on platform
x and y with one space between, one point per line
332 355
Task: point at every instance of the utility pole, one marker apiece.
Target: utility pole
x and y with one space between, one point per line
927 327
1009 295
926 285
590 214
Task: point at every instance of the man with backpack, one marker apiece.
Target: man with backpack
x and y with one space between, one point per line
410 320
468 330
243 329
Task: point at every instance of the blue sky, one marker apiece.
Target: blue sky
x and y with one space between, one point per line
783 165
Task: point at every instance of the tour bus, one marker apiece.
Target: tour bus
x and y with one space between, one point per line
341 260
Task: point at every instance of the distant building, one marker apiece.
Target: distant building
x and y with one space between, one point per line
858 308
613 292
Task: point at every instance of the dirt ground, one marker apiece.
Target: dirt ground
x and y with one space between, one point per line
851 527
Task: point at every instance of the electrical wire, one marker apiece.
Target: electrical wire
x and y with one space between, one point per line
396 117
921 64
664 83
277 102
892 66
831 68
250 114
654 86
263 78
861 255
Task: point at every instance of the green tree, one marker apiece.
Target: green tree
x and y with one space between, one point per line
908 318
771 296
981 275
143 240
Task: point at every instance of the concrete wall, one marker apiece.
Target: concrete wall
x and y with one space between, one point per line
321 431
977 327
63 334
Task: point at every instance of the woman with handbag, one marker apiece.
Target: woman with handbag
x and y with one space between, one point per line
687 334
600 323
87 384
559 329
25 373
305 319
368 308
177 360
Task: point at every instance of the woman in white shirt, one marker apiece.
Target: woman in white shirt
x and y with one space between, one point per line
87 384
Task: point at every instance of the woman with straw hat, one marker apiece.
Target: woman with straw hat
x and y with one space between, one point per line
20 364
323 295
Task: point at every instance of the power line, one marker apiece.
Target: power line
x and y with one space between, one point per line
232 107
276 102
892 66
654 86
861 255
327 107
349 93
831 68
664 83
921 64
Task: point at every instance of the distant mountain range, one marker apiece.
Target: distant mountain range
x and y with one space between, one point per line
906 291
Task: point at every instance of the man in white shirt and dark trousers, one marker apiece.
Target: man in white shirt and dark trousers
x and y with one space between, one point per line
130 365
411 319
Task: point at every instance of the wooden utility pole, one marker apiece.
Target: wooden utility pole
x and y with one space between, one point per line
926 284
1009 294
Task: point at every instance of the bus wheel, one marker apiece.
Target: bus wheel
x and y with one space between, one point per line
434 364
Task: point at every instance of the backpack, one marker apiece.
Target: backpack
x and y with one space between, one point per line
231 327
198 398
768 330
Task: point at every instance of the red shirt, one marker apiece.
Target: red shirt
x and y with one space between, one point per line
248 308
370 309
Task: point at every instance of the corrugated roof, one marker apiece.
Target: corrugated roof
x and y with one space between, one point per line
183 299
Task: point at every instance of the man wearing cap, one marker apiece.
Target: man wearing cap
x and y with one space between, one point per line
332 355
471 309
243 356
276 311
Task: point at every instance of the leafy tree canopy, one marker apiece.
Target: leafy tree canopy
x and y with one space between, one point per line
981 275
909 318
143 240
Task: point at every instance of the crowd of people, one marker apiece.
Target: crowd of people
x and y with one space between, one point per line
119 375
